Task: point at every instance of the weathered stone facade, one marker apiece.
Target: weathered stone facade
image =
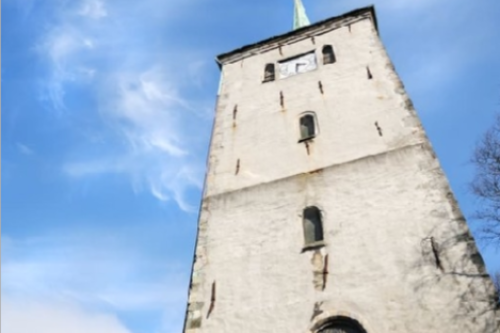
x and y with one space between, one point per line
397 254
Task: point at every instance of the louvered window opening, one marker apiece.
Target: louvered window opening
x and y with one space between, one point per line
313 228
328 55
307 127
269 73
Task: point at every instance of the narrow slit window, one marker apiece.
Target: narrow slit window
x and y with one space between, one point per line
307 127
269 73
313 226
369 73
328 55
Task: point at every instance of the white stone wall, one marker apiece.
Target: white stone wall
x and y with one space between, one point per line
264 135
382 198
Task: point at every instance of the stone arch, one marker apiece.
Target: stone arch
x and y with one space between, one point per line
343 320
340 324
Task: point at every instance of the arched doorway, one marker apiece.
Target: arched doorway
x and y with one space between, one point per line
341 325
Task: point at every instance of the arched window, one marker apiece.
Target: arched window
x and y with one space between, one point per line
328 55
341 325
308 126
269 73
313 226
339 329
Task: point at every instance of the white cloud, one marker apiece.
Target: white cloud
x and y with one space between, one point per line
24 6
87 72
197 72
78 281
139 97
88 167
94 9
112 272
145 109
88 43
62 47
23 316
23 149
62 43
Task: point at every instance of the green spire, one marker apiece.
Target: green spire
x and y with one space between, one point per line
300 18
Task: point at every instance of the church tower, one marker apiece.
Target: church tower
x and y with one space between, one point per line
325 208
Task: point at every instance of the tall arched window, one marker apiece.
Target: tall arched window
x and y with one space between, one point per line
342 325
269 73
308 128
328 55
313 226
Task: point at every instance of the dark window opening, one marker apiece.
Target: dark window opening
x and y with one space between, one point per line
307 127
328 55
313 226
269 73
342 325
339 329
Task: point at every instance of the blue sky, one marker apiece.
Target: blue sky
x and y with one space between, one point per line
106 115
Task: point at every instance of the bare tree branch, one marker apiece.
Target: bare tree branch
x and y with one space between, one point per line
486 183
496 282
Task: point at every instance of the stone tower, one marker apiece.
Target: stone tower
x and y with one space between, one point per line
325 208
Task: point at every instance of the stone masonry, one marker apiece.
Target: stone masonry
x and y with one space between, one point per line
397 257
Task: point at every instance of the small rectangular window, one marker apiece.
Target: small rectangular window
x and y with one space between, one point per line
307 127
269 73
313 226
328 55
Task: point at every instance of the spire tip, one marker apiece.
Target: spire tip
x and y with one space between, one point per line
300 18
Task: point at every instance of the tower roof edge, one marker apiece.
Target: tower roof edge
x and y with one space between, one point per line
250 49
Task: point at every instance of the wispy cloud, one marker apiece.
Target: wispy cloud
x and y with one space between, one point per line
21 316
148 109
93 8
64 47
24 6
23 149
140 97
111 274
